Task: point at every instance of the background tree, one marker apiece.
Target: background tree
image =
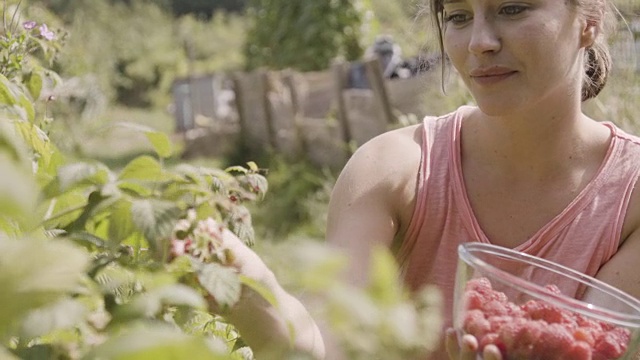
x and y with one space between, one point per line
205 8
303 35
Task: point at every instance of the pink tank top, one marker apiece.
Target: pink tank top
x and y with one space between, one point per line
583 236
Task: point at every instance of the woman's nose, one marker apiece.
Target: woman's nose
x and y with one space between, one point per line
484 37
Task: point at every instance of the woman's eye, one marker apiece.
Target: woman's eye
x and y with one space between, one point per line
456 19
512 9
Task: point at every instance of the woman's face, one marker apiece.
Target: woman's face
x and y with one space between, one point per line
516 55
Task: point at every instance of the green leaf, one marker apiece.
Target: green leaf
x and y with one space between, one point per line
18 192
27 105
121 223
36 139
8 93
64 209
80 174
11 144
143 168
161 143
223 283
158 343
159 140
33 80
253 166
236 168
261 289
135 189
383 284
63 314
54 268
152 303
239 222
155 219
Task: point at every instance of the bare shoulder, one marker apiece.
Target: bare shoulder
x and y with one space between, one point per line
389 158
379 180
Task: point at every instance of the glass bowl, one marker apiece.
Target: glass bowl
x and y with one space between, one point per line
532 308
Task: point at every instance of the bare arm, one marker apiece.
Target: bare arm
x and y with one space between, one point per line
368 206
272 332
373 199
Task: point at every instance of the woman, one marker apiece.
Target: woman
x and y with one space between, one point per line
525 168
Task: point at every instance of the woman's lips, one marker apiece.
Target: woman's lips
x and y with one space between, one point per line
489 76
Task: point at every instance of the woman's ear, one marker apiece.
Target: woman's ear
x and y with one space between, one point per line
589 34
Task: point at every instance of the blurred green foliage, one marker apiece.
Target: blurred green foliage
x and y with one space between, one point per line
302 35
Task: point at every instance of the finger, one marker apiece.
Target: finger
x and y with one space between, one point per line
451 342
491 352
468 348
465 349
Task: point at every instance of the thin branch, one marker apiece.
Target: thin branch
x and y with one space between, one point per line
14 16
4 17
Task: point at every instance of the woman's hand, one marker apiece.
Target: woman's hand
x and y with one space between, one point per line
273 332
468 348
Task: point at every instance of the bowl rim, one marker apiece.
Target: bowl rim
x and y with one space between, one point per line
465 253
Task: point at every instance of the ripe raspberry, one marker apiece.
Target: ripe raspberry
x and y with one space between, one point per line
527 338
579 351
585 334
495 308
473 300
475 324
498 322
481 285
608 346
553 341
540 310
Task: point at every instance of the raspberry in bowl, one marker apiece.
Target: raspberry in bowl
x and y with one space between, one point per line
531 308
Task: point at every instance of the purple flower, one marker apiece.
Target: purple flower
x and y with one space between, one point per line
28 25
46 33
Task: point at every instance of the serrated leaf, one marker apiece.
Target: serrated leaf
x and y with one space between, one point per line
155 219
158 343
161 143
236 168
63 314
152 303
240 223
257 184
79 174
144 168
223 283
54 268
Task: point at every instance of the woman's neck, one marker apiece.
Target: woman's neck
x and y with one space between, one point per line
532 144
